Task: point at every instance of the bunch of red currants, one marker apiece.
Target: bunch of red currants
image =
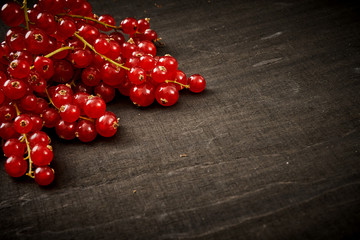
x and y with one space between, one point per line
59 66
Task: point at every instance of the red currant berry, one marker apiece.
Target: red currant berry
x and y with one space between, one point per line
14 147
137 75
95 107
105 91
69 112
46 22
62 97
19 68
148 48
180 78
37 122
159 74
14 89
143 24
7 113
125 86
44 175
166 94
41 155
38 137
90 76
63 71
107 124
23 123
197 83
82 58
15 166
66 28
41 106
114 50
112 74
44 66
51 117
12 14
147 62
28 102
85 131
102 45
108 19
36 41
118 37
90 33
129 25
142 95
65 130
150 35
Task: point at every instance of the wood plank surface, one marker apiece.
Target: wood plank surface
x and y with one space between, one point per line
272 144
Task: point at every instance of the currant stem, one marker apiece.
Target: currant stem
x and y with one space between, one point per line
91 19
85 118
50 100
183 85
103 56
49 55
27 20
30 173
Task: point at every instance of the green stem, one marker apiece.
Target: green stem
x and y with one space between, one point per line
27 20
30 172
57 51
91 19
103 56
183 85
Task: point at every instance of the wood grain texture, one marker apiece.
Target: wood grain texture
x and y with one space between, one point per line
272 144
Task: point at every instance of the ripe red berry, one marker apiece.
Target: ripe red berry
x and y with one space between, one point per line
148 48
38 137
14 89
23 123
102 45
44 66
19 68
66 28
108 19
50 117
142 95
95 107
44 175
159 74
197 83
69 112
107 124
14 147
85 131
90 76
65 130
137 75
143 24
105 91
166 94
15 166
129 25
36 41
41 155
12 14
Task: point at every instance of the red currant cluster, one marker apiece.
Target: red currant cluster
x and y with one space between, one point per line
59 66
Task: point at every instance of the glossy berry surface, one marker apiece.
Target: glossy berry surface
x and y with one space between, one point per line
197 83
44 175
41 154
15 166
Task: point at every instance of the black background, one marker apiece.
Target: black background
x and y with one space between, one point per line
272 144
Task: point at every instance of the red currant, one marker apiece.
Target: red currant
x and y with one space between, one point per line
15 166
197 83
44 175
95 107
107 124
41 155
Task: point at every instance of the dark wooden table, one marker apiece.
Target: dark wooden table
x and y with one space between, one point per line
272 145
